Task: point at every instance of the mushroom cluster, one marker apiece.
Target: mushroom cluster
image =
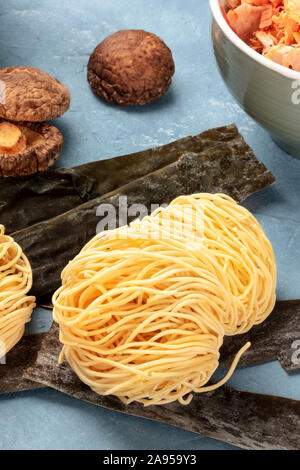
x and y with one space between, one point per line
29 97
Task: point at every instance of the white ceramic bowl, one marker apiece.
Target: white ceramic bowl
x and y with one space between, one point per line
268 92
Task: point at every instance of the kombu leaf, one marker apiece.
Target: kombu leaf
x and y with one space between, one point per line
23 355
224 414
247 420
278 337
28 200
215 161
232 169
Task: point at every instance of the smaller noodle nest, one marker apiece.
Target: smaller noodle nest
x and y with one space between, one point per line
143 309
15 282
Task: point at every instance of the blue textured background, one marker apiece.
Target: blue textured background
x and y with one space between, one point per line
58 37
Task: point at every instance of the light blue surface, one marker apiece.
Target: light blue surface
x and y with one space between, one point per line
58 37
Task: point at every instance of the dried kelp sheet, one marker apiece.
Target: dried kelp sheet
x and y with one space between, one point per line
278 337
23 355
51 244
243 419
32 199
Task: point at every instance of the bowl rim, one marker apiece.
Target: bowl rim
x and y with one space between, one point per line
233 37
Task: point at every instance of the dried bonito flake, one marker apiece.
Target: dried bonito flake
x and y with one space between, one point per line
271 27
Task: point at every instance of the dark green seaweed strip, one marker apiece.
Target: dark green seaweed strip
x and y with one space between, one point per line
51 244
247 420
276 338
45 301
32 199
23 355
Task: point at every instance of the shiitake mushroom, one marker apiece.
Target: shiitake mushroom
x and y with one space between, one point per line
131 67
27 143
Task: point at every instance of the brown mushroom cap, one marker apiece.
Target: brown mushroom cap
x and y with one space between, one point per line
131 67
43 147
32 95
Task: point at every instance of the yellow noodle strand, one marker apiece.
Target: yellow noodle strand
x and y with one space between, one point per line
143 309
15 282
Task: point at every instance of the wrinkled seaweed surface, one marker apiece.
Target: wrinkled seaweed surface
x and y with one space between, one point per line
247 420
29 200
278 337
216 161
230 168
18 359
243 419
